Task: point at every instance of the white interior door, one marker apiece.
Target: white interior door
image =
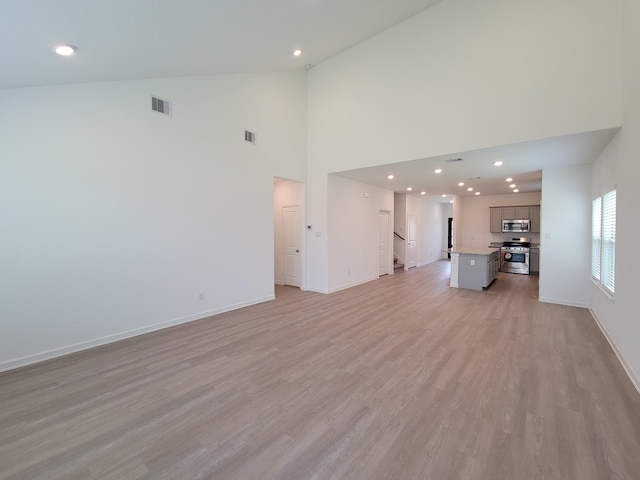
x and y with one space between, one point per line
383 243
291 240
412 231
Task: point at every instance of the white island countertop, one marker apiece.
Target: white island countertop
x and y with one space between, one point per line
474 250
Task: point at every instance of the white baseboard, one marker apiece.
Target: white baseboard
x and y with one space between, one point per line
428 262
68 349
324 291
353 284
560 301
635 379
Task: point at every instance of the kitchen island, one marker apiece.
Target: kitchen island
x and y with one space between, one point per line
474 268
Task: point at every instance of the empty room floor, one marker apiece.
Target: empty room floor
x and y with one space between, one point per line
399 378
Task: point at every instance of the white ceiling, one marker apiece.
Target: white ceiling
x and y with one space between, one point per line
136 39
523 162
133 39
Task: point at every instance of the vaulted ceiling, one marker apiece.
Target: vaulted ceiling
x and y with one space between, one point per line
133 39
124 40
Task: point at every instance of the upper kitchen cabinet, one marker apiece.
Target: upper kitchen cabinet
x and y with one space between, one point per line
515 213
534 215
496 219
531 213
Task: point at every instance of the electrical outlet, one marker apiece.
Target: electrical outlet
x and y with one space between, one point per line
473 262
201 296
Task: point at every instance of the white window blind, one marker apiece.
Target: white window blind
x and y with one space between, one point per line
596 237
609 240
603 241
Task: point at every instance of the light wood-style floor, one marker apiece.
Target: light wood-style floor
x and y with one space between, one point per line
401 378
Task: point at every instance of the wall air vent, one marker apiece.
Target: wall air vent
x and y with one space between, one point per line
161 105
249 137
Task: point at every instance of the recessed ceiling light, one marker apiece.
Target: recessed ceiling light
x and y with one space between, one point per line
438 170
470 189
508 179
423 193
513 185
477 193
409 189
297 52
498 163
64 50
516 190
450 201
391 177
461 184
444 195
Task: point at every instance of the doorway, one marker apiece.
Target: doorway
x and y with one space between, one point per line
384 243
449 235
289 234
412 234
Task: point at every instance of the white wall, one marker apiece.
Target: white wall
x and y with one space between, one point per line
457 229
287 193
459 76
353 231
476 217
431 230
604 179
115 218
619 166
565 235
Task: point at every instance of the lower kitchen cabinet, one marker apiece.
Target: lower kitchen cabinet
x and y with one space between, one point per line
534 260
473 269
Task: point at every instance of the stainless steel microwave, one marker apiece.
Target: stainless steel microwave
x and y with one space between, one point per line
517 226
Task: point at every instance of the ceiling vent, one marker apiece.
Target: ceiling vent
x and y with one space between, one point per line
161 105
249 137
452 160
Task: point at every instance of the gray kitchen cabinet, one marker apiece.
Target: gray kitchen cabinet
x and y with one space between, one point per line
497 214
494 261
515 213
534 260
477 271
508 213
535 219
496 219
523 213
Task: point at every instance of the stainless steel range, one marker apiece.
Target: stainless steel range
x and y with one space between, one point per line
514 255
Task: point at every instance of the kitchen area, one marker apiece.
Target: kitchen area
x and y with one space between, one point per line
514 248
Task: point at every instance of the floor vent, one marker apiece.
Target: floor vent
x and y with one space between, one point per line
161 105
249 136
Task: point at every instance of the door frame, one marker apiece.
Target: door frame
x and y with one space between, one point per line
415 247
281 200
389 213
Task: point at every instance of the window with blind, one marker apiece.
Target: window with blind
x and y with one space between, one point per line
603 241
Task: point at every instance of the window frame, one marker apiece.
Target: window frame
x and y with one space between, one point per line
603 241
